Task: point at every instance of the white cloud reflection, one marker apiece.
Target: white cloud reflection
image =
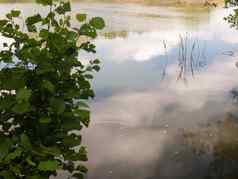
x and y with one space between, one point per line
131 108
135 128
137 46
146 45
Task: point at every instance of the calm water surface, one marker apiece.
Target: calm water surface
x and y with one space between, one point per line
144 102
141 106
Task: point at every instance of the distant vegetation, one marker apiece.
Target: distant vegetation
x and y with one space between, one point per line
151 2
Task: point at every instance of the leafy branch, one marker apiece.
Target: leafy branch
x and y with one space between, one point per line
44 89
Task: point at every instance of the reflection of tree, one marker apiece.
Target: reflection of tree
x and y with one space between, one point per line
115 34
223 168
161 2
160 18
225 164
222 146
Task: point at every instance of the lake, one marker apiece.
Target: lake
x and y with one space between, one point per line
165 71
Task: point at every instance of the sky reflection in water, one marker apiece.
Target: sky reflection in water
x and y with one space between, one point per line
136 115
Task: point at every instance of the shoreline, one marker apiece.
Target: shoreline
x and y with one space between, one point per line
198 3
201 3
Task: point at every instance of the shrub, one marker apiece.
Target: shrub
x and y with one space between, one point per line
44 90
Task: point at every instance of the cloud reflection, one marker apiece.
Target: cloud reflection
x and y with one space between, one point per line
136 129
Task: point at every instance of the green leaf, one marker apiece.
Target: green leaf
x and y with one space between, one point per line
96 68
7 174
89 47
97 22
63 8
48 85
36 177
81 155
15 169
88 30
78 175
33 19
84 116
96 61
57 42
71 124
29 161
9 16
23 95
17 153
21 108
6 56
58 105
25 141
81 17
15 13
45 120
50 165
88 76
5 145
3 22
72 36
82 104
12 79
72 141
44 68
45 2
44 33
55 151
82 169
31 28
6 103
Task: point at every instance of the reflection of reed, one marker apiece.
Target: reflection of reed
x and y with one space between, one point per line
189 57
166 60
182 58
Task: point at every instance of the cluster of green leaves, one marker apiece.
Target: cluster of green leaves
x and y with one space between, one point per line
44 89
231 2
232 19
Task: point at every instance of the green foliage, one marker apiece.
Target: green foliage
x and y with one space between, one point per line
81 17
50 165
232 18
231 2
97 22
44 89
